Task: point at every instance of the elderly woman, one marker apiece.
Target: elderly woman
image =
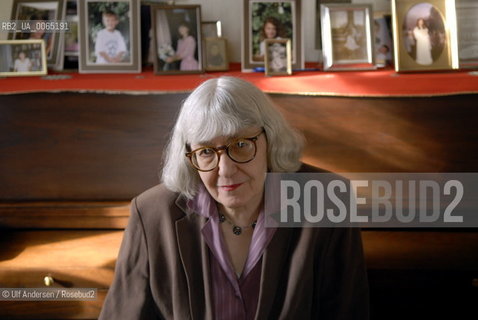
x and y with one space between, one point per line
196 246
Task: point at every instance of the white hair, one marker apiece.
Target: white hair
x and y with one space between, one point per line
223 107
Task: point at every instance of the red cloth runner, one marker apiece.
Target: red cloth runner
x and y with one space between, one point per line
377 83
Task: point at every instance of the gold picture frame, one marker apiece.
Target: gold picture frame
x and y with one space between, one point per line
216 54
425 35
278 57
33 61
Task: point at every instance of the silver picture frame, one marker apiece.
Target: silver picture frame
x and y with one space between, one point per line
467 27
347 37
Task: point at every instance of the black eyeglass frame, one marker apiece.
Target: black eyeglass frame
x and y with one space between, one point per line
226 148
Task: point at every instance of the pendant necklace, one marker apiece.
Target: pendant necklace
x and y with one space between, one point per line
237 230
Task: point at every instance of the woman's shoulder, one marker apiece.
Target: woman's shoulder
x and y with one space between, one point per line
157 194
158 199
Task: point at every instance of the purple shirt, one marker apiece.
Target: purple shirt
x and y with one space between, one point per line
233 297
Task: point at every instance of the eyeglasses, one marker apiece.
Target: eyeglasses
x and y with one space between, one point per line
241 150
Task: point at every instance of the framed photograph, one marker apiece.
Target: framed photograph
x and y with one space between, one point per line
467 24
71 39
347 37
270 20
425 36
216 54
72 44
177 39
382 27
109 36
39 13
22 58
278 57
318 38
211 29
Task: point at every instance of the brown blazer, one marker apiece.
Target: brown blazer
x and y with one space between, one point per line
162 271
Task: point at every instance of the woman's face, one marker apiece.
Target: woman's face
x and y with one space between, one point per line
183 31
421 23
237 186
270 30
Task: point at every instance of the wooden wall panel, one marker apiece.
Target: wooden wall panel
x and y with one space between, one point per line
74 146
82 146
433 134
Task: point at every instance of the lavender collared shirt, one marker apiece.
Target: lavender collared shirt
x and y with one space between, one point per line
233 297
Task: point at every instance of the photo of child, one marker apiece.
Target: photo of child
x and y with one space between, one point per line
110 46
186 49
109 33
22 63
270 20
177 35
22 58
278 57
349 35
272 29
424 35
383 41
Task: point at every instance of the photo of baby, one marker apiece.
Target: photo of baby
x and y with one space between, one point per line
278 57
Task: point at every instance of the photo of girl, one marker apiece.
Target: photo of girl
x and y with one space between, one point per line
177 39
348 29
271 29
186 49
423 42
22 63
22 58
270 20
424 33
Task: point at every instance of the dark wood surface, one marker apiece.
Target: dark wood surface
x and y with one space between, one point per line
433 134
64 215
74 259
73 161
74 146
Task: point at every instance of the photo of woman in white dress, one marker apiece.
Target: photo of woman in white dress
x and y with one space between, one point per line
423 43
423 33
